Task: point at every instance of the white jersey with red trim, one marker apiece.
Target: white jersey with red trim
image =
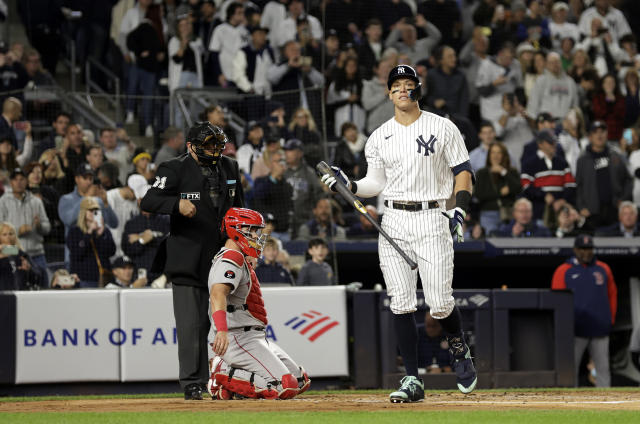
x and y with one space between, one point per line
230 267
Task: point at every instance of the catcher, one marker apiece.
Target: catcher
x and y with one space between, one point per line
246 364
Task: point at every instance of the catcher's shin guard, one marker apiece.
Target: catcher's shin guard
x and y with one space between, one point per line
304 381
289 387
236 385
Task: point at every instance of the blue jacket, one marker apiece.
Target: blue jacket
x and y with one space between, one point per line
274 273
594 295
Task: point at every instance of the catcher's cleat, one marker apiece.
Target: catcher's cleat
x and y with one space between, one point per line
411 390
462 364
193 391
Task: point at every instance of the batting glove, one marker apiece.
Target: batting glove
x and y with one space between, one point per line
456 219
330 180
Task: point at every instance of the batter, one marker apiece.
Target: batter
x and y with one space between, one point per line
414 160
247 364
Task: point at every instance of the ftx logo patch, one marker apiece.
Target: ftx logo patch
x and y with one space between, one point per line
190 196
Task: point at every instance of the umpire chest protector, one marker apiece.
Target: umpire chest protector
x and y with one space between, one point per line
193 242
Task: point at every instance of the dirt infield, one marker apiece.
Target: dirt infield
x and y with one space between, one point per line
490 400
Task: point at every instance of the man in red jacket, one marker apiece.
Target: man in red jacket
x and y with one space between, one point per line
595 303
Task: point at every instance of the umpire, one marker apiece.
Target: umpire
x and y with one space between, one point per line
196 189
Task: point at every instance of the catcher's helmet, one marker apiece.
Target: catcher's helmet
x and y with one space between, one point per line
204 133
239 224
406 71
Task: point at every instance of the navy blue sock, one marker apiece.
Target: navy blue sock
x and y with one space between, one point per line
452 325
407 334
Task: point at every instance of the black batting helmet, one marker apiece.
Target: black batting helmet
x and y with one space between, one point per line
405 71
203 133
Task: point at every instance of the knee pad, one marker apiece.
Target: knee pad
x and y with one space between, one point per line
303 381
289 387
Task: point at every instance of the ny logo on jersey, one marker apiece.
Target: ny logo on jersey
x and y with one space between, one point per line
427 145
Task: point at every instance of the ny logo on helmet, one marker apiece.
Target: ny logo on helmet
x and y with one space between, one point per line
401 70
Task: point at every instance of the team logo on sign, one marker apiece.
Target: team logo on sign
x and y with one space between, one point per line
229 274
426 145
313 323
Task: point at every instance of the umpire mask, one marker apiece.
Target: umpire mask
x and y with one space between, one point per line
207 142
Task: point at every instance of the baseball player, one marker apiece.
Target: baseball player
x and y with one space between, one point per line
414 159
247 365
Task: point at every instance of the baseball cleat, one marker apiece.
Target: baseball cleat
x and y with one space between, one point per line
193 391
462 364
411 390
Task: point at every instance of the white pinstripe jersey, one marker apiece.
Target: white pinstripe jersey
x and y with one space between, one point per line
417 159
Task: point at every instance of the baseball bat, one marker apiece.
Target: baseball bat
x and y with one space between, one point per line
342 189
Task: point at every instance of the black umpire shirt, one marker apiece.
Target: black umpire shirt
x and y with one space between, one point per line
193 242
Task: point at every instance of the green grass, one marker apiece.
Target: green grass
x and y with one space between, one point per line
315 393
392 417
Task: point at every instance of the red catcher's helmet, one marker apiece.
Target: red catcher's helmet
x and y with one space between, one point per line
240 225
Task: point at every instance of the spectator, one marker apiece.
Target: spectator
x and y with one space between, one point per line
433 348
172 146
572 137
445 15
554 91
207 22
216 115
544 121
522 224
375 96
294 73
143 232
303 127
17 272
309 46
580 64
251 150
268 269
94 157
363 228
63 280
569 223
471 56
115 152
262 165
8 161
344 95
36 75
513 128
14 76
595 305
123 203
627 225
487 136
69 204
634 168
333 55
567 45
559 28
287 30
141 164
26 213
108 175
370 50
90 245
321 225
273 122
37 186
227 39
602 178
55 137
272 194
304 182
609 107
147 43
447 90
131 20
349 153
42 21
74 149
534 28
404 38
11 113
316 272
547 179
122 268
629 59
251 63
54 173
602 48
393 12
496 188
497 76
610 18
273 14
185 57
534 71
632 98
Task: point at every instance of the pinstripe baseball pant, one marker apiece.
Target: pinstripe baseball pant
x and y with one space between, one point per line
425 237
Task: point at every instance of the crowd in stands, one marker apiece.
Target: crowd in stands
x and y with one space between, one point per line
546 94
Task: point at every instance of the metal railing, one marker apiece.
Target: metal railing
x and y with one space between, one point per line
113 99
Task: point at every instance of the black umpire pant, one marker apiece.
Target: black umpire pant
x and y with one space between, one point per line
191 311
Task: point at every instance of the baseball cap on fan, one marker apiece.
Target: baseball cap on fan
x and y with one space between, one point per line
138 184
583 241
597 125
